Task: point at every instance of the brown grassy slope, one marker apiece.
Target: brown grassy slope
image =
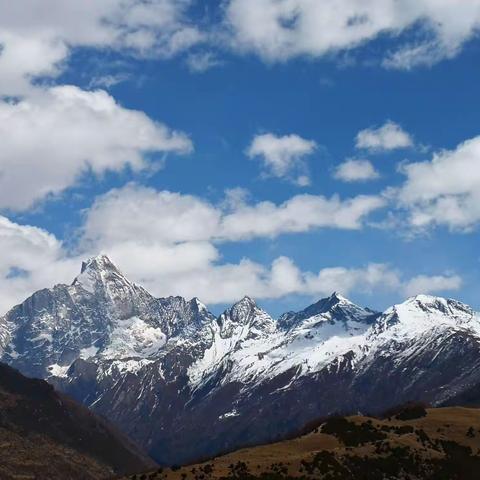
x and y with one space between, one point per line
45 435
444 444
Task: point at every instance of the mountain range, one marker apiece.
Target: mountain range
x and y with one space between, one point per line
185 384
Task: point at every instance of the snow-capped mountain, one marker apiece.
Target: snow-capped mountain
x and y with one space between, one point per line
186 384
101 314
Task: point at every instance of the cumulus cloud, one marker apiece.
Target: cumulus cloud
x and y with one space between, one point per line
35 259
283 156
389 136
300 213
229 282
341 279
36 35
49 140
355 170
424 284
156 216
445 190
279 30
177 258
170 242
167 217
41 33
50 136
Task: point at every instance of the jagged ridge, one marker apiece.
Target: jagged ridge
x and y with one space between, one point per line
171 375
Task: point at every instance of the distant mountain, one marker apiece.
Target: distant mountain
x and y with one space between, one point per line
185 384
46 436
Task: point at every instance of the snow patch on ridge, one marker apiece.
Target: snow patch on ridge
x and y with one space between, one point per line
134 337
86 353
58 370
231 413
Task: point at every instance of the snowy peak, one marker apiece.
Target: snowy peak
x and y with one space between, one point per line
101 279
200 312
424 313
431 308
335 298
179 317
98 272
333 308
101 282
198 305
446 306
247 312
333 302
243 310
99 263
247 316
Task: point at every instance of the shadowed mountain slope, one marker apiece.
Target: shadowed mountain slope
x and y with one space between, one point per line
45 435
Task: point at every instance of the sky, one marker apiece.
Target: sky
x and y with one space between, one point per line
282 149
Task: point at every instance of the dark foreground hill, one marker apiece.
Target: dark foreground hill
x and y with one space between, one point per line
45 435
413 443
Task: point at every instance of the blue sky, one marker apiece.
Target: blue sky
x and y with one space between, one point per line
226 106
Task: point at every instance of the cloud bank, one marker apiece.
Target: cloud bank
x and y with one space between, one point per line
279 30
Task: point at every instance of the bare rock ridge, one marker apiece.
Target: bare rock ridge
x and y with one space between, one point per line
186 384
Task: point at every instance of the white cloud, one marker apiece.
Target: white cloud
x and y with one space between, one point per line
424 284
50 136
36 35
355 170
48 140
166 217
341 279
202 61
230 282
418 54
170 242
300 213
283 156
445 190
155 216
108 81
278 30
389 136
179 272
35 259
178 263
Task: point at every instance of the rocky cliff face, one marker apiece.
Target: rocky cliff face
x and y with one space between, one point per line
186 384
